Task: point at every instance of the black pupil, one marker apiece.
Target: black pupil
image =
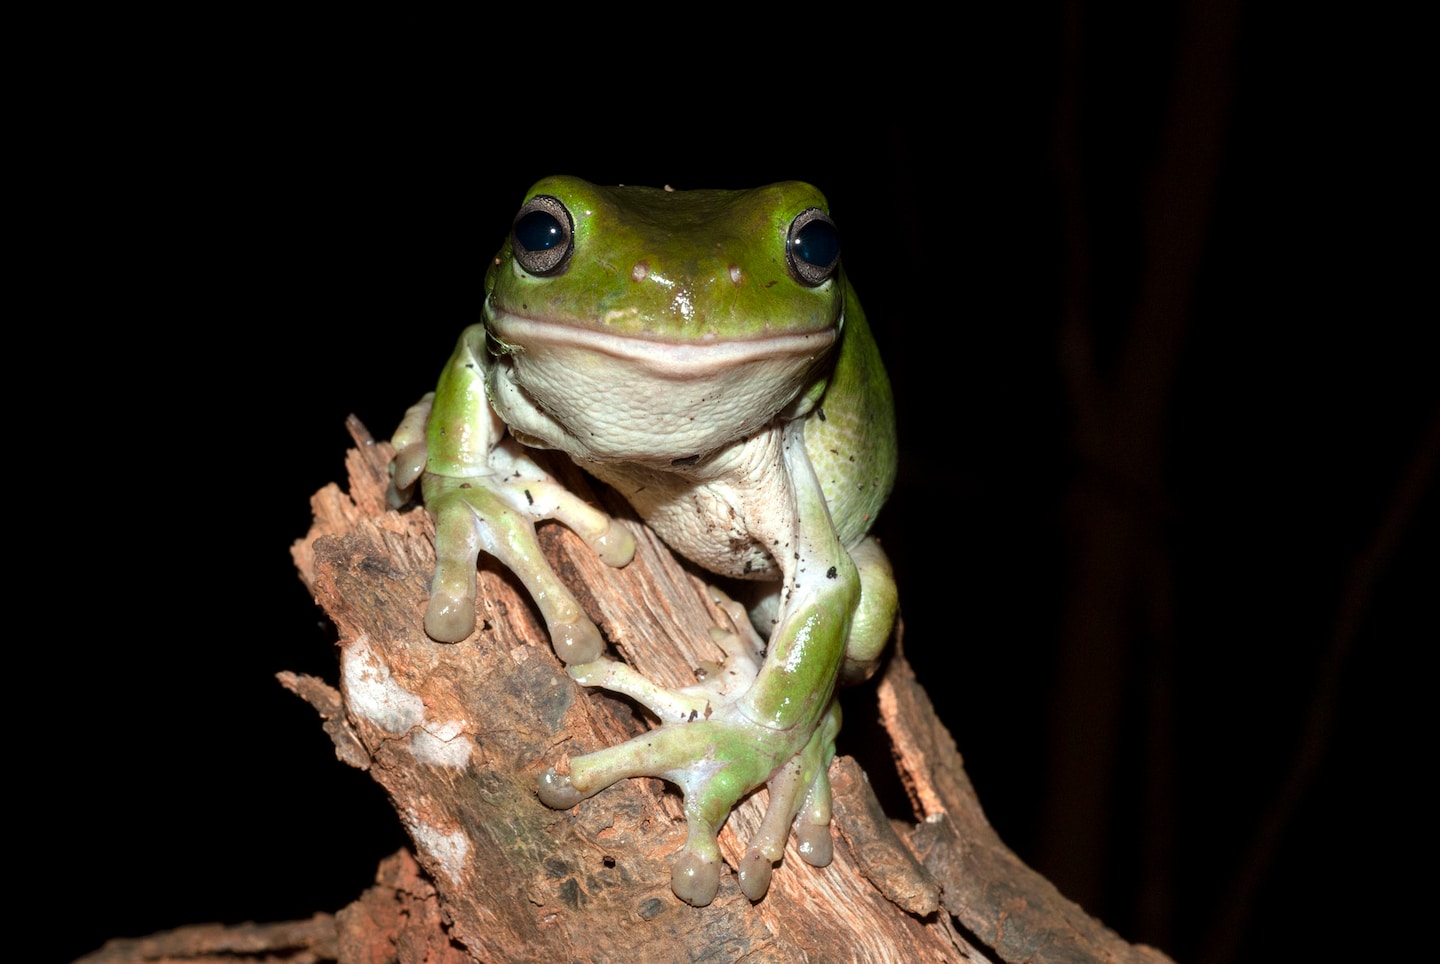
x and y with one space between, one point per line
538 231
818 243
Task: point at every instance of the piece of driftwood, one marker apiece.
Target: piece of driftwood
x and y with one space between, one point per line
457 734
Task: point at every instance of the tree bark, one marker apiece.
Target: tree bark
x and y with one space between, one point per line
457 734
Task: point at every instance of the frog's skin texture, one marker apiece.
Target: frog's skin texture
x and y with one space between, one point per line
702 353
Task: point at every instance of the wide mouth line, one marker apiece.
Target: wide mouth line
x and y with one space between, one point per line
528 334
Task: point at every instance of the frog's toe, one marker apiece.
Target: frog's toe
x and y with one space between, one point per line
404 473
410 452
576 640
755 871
812 825
767 846
608 539
557 792
449 617
695 877
816 846
615 546
450 614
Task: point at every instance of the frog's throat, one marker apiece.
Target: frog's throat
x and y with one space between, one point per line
666 358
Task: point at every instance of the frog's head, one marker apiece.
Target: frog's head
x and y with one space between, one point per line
635 323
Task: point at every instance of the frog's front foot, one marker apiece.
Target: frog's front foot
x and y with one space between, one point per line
716 762
496 513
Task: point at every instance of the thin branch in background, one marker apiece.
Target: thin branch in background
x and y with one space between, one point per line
1236 908
1118 614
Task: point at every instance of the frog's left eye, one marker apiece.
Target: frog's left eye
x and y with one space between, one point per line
812 248
543 235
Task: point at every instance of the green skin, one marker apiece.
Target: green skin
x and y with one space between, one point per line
681 355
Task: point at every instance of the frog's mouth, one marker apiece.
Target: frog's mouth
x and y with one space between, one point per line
599 395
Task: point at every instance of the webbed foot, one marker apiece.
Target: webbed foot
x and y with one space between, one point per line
716 763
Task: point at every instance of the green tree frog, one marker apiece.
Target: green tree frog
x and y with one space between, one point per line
703 353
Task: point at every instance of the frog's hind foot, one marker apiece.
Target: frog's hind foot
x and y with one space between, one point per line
715 763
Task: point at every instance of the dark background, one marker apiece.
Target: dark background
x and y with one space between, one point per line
1160 378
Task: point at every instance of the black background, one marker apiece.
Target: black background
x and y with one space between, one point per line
261 241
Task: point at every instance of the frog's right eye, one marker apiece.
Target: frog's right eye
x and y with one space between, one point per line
543 236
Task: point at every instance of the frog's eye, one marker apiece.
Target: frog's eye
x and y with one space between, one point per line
543 235
812 248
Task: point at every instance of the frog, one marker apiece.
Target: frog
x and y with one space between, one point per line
703 353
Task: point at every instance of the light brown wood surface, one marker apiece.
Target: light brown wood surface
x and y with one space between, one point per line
457 734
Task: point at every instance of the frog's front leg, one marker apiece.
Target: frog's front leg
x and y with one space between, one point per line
778 731
486 493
